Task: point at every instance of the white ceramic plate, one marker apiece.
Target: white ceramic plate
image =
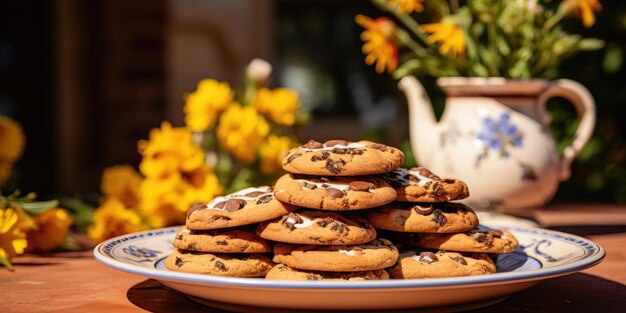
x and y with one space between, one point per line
542 254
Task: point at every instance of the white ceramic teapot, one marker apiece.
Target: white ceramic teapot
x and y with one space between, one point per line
494 134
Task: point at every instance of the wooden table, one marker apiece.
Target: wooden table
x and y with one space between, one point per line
76 282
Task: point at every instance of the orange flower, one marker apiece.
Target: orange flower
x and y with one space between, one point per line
450 37
585 9
52 228
379 46
406 6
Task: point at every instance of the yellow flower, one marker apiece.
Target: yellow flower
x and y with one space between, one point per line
585 9
450 36
169 150
12 142
203 105
241 131
166 201
379 46
113 219
406 6
52 228
12 236
279 104
12 139
121 182
272 153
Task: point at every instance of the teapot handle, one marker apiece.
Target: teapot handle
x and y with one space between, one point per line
585 106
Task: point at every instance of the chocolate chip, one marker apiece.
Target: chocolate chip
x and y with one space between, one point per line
335 166
349 151
295 217
264 199
311 277
179 237
291 219
233 205
423 210
254 194
293 157
483 238
325 221
322 156
340 228
400 220
426 173
437 190
192 246
219 205
334 193
312 144
196 207
460 260
179 262
332 143
221 266
496 233
427 257
439 218
222 243
309 186
379 146
360 185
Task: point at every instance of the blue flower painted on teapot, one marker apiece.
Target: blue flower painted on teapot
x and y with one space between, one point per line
500 134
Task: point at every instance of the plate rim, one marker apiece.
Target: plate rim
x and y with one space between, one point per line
496 278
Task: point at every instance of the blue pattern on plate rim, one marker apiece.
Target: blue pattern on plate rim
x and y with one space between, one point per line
530 269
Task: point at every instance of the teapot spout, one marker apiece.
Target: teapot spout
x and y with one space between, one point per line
423 129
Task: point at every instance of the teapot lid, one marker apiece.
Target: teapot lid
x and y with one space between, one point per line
491 86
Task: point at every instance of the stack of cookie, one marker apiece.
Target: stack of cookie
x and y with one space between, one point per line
219 237
320 221
325 239
437 238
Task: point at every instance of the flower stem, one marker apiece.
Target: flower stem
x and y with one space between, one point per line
493 48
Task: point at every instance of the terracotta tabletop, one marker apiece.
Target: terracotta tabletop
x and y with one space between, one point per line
76 282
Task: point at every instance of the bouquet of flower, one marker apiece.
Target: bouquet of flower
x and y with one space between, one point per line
25 225
508 38
230 141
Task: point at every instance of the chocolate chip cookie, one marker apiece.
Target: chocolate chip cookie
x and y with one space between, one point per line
481 239
244 207
318 228
435 264
442 217
237 265
342 158
376 254
420 185
284 272
333 193
221 241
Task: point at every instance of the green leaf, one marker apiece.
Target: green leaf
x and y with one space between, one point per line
590 44
406 68
38 207
479 70
613 59
6 263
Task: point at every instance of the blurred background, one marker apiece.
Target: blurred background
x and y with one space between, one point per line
87 79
